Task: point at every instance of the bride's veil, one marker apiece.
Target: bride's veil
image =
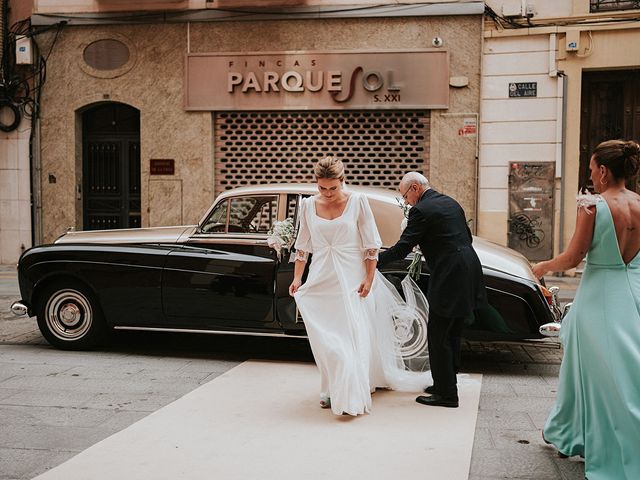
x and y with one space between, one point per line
400 329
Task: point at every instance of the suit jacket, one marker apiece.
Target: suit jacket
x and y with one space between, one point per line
438 225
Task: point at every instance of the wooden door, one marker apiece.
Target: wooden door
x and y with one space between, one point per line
111 167
610 110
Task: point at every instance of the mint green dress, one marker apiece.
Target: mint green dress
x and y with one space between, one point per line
597 410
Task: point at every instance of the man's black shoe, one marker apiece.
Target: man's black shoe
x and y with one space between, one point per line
431 389
438 401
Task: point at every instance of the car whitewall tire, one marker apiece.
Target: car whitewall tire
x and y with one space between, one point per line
69 317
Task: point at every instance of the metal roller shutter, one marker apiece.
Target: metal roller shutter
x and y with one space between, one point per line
377 147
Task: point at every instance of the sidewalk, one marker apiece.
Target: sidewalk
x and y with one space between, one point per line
14 329
518 391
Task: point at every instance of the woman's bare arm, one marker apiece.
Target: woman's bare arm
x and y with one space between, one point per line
578 246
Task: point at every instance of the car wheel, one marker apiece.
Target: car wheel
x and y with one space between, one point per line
69 317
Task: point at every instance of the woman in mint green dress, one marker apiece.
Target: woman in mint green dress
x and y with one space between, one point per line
597 410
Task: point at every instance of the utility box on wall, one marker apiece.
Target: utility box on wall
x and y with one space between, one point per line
531 188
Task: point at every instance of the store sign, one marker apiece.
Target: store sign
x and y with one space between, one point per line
318 81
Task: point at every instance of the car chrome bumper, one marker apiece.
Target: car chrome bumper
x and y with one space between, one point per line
19 308
552 329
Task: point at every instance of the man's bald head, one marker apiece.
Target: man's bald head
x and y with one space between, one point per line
414 177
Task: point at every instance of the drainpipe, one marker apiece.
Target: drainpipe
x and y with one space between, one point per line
565 80
37 237
561 108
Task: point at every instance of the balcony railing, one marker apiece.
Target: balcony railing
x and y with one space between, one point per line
610 5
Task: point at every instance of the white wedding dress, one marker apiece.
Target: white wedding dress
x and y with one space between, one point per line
355 340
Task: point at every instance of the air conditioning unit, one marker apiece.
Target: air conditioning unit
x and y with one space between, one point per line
512 8
518 8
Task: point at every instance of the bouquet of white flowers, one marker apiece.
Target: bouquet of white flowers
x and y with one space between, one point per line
281 236
415 268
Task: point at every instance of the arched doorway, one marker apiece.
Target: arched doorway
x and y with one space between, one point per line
111 167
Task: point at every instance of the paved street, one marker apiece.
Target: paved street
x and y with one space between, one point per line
55 404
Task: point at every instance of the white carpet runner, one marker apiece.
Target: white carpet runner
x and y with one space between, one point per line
261 420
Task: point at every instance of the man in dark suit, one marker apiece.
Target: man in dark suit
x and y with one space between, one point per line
438 225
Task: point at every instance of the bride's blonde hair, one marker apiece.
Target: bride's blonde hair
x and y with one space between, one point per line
329 167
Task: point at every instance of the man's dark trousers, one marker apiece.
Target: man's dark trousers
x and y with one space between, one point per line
443 334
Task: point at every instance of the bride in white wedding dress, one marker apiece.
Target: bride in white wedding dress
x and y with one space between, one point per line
351 312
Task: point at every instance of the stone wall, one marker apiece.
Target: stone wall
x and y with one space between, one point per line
153 83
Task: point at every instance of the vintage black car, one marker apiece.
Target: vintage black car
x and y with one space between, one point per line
220 276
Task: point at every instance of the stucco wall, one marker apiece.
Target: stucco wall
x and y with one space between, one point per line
155 84
15 193
514 129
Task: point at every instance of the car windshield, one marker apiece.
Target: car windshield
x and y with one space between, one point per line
217 221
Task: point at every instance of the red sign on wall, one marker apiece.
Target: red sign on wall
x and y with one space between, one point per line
162 166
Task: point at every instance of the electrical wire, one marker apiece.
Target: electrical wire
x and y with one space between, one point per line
502 22
21 88
589 50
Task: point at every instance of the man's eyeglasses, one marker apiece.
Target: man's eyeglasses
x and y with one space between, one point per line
404 197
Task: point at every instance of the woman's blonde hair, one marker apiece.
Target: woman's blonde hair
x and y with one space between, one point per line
329 167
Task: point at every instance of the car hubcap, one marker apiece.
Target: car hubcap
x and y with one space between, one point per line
68 314
411 335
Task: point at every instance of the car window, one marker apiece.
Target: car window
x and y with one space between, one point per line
217 221
292 206
252 214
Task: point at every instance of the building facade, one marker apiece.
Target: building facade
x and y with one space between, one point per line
558 78
145 117
149 110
